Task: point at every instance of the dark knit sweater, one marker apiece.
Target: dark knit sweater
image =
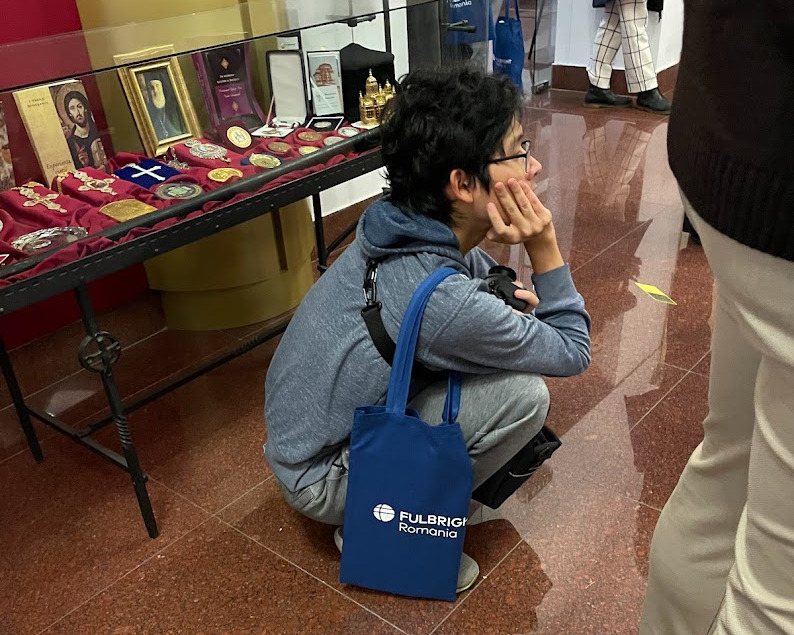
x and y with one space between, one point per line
731 136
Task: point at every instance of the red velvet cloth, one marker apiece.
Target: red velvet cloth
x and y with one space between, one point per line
83 206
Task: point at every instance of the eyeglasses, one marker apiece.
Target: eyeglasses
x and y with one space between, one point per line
526 144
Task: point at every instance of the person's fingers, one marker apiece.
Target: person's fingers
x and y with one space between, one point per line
504 194
527 296
522 200
499 231
540 210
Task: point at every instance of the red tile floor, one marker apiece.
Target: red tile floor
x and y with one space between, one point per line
568 554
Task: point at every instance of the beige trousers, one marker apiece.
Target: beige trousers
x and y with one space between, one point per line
722 555
623 25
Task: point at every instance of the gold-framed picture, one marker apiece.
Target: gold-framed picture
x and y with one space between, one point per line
160 104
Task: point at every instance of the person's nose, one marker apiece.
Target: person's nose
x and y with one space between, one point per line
534 168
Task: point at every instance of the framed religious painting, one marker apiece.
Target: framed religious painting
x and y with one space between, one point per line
160 104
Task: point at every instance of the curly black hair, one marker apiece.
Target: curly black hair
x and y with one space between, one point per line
441 120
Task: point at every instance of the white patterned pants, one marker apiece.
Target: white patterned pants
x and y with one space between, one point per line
624 22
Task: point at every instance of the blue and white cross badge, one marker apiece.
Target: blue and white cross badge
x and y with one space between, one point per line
148 173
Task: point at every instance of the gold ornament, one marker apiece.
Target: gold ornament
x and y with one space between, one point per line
372 102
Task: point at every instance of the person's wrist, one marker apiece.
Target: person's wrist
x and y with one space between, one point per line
547 238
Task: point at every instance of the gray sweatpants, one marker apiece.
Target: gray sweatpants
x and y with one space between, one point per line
499 414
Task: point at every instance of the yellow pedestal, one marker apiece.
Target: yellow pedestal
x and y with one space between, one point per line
246 274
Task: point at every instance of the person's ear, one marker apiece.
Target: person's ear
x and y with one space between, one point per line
460 186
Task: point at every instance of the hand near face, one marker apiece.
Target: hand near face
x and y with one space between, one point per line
518 216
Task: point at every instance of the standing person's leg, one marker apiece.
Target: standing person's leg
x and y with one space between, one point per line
599 68
640 73
605 46
637 58
723 550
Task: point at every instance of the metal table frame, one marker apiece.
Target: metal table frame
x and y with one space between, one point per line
99 350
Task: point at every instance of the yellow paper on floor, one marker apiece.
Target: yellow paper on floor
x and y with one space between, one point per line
656 293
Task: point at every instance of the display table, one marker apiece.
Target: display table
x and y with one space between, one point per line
172 226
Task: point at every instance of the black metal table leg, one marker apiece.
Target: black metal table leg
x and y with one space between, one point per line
19 403
319 235
98 352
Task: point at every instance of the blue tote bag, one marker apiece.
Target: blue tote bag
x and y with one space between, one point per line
409 483
508 46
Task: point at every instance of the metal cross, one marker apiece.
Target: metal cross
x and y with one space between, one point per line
34 198
97 185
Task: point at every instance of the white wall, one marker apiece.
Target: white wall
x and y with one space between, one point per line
577 23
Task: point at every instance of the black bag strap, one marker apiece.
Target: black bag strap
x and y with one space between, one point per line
380 338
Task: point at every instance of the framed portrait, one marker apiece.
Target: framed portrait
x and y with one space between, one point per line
325 79
160 104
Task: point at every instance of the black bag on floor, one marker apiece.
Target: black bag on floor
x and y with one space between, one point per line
499 487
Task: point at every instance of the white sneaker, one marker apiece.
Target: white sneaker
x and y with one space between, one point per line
468 572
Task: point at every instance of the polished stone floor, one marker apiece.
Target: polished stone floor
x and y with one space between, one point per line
568 554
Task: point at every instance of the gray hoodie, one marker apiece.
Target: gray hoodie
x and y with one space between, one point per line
326 364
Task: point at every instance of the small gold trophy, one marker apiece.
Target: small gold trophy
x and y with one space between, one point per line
372 102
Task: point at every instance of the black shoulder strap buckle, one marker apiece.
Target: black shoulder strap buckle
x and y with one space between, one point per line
380 338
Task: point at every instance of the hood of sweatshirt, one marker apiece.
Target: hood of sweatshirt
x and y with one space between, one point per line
385 230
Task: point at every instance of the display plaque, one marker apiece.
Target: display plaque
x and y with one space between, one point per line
225 74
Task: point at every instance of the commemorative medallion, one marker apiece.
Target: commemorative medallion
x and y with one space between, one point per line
309 136
279 147
221 175
267 161
178 190
239 137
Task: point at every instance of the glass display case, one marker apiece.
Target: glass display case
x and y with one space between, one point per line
189 136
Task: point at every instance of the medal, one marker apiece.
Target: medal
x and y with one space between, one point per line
174 162
322 125
239 137
178 190
92 184
348 131
46 238
264 161
206 150
279 147
309 136
304 150
332 141
34 198
126 210
221 175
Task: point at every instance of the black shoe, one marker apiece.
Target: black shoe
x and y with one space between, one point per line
653 101
596 97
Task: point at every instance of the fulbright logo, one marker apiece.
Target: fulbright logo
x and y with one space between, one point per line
383 512
435 525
